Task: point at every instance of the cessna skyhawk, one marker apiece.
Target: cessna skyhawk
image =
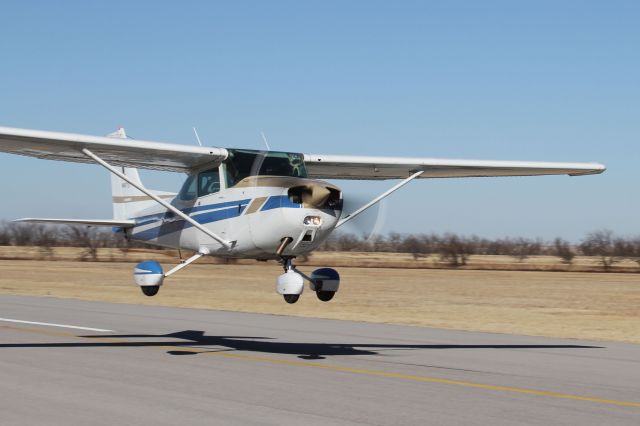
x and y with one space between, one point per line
242 203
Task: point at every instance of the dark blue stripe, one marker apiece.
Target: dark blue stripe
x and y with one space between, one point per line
217 206
179 225
278 201
274 202
142 220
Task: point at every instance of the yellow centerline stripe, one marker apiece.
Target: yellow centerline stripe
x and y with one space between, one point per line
337 368
420 378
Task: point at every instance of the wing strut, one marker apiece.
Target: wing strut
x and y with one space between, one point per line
185 263
371 203
160 201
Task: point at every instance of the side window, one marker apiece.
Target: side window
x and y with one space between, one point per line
188 191
208 182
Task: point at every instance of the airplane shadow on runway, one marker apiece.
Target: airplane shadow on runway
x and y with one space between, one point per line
192 342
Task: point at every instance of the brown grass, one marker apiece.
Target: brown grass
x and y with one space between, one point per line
337 259
572 305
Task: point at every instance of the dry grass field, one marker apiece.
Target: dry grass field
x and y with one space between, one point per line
563 304
336 259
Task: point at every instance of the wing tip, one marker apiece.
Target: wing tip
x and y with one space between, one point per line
23 219
594 169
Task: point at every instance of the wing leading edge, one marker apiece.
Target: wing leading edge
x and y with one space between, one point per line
377 168
118 152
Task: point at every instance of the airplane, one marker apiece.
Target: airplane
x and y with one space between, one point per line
243 203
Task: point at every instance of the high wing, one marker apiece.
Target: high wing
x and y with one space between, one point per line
118 152
184 158
374 168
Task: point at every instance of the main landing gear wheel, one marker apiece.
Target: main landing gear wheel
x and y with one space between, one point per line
150 290
325 296
325 282
291 298
149 276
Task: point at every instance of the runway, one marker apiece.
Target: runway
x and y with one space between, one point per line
67 362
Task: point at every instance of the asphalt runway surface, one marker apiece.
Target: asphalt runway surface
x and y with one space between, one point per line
143 365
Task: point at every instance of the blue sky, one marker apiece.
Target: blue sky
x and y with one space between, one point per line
550 81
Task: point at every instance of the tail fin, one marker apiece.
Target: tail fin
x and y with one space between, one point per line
127 200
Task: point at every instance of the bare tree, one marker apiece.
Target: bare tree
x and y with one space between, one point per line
394 239
635 243
628 248
601 244
5 234
378 243
349 242
563 250
411 245
45 237
83 236
455 250
501 246
21 234
522 248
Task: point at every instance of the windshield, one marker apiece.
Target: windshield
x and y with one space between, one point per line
242 163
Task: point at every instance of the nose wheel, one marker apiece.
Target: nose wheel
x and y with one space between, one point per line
290 284
291 298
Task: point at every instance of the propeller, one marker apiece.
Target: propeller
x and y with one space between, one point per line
370 222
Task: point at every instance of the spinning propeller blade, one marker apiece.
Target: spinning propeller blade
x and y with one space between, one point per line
369 223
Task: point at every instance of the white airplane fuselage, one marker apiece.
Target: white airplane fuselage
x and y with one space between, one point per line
255 216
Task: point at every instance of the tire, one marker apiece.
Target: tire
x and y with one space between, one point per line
291 298
150 290
325 296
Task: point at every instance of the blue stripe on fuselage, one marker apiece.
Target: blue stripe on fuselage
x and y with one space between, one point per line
278 201
143 220
179 224
273 202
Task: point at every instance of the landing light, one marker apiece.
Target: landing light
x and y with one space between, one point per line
313 220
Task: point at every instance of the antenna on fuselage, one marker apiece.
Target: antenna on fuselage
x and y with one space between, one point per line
264 138
197 137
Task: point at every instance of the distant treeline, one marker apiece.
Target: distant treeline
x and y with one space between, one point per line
46 237
456 249
451 248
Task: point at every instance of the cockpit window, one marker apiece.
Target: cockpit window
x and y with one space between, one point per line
188 190
208 182
243 163
205 183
